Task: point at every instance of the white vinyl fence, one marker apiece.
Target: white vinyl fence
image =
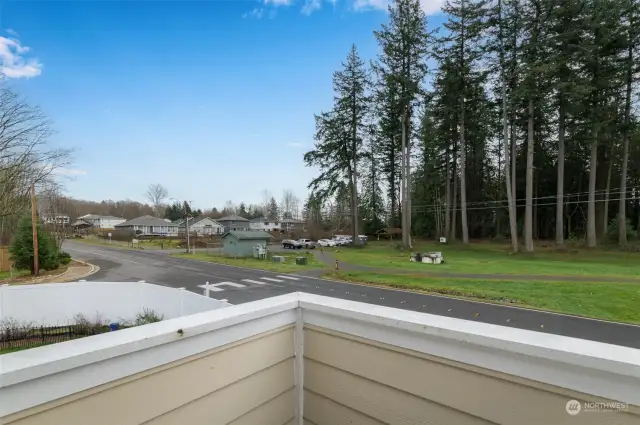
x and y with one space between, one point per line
53 304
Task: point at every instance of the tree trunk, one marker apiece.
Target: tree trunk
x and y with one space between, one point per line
605 213
528 213
622 210
513 167
463 179
513 226
560 183
591 209
447 197
454 213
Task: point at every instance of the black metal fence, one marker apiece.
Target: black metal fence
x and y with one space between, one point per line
33 336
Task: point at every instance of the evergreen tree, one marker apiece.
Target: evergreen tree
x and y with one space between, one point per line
272 212
21 248
340 136
401 69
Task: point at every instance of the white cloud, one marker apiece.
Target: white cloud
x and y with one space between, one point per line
279 2
13 63
255 13
311 6
429 6
69 172
295 144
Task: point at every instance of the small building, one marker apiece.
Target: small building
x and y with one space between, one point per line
263 223
242 243
202 226
79 225
234 223
389 232
102 221
149 226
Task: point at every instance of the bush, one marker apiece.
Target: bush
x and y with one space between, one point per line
65 257
21 248
148 316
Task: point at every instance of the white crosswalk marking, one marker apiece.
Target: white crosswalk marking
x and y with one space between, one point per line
215 287
257 282
235 285
288 277
212 288
271 279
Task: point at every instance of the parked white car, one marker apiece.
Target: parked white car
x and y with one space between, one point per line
326 242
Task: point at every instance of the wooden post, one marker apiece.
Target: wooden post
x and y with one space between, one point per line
34 225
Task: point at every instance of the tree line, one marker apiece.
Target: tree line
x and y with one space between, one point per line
517 118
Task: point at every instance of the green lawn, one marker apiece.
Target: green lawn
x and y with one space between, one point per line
609 301
14 349
15 273
289 266
492 258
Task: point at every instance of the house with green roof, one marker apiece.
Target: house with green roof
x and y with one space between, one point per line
242 243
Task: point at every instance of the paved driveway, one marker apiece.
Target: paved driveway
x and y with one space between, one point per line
239 285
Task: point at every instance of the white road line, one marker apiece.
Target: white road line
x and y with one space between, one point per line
257 282
235 285
288 277
271 279
211 288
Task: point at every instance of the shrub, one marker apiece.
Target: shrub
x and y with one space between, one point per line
21 247
65 257
148 316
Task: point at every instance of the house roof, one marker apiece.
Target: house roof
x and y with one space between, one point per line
79 222
292 221
145 220
233 218
193 221
264 219
97 216
248 235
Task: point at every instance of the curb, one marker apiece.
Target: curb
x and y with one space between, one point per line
94 269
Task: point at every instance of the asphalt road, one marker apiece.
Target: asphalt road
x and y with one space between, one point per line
240 285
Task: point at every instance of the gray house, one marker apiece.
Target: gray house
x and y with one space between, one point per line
149 226
234 222
241 243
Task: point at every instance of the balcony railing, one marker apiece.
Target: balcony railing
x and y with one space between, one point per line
306 359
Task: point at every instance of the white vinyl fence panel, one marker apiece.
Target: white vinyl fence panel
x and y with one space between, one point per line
57 303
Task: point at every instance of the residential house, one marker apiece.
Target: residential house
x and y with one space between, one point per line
292 225
102 221
149 226
242 243
263 223
59 219
201 226
81 225
234 222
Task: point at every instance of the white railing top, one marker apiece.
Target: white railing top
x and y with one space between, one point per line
595 368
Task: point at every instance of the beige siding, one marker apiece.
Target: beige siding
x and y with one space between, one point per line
216 387
402 387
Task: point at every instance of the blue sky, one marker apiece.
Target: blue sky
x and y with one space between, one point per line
213 99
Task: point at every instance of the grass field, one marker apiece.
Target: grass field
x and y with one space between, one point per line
491 258
608 301
289 266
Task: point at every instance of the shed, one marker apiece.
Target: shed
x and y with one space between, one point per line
241 243
389 232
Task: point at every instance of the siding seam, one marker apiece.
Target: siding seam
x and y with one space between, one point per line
343 405
453 409
263 404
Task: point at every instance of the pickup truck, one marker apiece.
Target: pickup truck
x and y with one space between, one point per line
291 244
307 243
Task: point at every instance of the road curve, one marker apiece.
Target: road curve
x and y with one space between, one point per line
240 285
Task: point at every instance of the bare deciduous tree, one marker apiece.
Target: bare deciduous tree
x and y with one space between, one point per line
156 193
288 203
25 155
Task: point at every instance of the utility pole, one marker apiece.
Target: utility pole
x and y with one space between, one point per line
34 225
186 215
